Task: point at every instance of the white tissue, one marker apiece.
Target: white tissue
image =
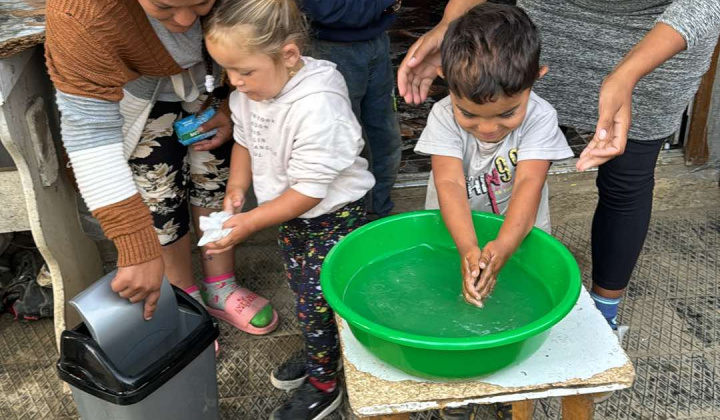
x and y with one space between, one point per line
212 227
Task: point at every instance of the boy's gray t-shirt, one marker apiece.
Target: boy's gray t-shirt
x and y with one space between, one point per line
490 167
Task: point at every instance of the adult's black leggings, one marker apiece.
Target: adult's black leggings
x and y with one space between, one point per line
625 191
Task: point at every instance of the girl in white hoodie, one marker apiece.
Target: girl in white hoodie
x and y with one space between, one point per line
298 142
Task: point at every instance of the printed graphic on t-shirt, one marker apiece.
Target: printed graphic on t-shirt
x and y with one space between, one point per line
495 187
259 128
490 167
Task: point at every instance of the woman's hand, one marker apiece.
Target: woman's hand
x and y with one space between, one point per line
223 123
615 103
615 113
419 67
141 282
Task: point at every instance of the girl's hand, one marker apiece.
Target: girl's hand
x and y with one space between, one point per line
222 122
241 227
470 266
234 200
615 111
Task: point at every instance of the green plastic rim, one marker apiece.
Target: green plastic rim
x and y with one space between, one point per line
543 323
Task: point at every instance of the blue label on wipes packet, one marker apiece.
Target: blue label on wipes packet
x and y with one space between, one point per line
186 128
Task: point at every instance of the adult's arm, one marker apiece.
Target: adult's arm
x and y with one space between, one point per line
682 26
89 78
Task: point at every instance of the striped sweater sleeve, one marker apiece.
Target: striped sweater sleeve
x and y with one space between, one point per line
693 19
89 74
92 135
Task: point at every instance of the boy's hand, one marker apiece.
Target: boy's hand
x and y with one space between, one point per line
223 123
480 269
493 259
234 200
470 274
241 229
141 282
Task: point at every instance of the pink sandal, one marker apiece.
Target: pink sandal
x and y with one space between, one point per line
240 308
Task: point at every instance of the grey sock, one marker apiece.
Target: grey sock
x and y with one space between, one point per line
218 290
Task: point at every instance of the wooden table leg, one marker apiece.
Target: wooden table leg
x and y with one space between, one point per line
578 407
523 410
400 416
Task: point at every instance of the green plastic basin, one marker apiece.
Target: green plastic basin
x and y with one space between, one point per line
397 283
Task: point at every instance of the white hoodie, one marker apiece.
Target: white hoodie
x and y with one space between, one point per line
306 138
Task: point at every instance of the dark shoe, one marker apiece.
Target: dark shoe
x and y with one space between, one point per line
469 412
22 295
291 374
308 403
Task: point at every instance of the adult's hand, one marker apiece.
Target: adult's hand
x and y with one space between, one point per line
615 113
222 122
658 45
141 282
419 67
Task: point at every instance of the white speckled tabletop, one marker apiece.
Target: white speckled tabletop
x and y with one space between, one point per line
580 355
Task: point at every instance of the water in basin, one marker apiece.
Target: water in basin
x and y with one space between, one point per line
419 291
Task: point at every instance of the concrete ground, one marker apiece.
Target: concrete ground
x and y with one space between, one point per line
672 308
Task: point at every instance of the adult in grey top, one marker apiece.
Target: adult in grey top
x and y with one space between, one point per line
623 68
599 33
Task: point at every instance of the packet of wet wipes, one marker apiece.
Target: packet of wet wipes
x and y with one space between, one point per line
186 129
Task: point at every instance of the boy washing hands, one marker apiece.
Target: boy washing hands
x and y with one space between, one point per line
492 140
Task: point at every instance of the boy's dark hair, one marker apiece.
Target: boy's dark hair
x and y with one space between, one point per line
493 49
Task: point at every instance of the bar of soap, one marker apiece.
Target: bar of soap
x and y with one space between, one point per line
186 129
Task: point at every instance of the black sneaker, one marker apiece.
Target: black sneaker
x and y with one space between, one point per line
291 374
308 403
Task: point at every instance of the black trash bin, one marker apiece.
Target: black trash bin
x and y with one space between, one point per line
140 370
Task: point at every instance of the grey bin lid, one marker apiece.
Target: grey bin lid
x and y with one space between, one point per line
118 326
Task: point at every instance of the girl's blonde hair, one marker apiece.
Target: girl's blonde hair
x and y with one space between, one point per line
258 25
